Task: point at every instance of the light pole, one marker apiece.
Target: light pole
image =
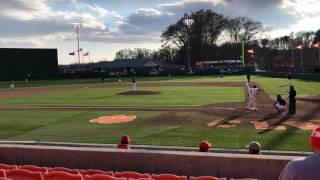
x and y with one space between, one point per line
188 21
78 25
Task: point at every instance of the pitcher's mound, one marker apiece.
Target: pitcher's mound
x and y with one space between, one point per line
113 119
138 93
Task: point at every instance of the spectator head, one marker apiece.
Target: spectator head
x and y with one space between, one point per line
125 140
315 140
291 87
204 146
254 147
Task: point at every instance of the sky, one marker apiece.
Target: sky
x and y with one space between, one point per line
111 25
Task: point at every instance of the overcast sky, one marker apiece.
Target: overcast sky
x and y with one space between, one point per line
111 25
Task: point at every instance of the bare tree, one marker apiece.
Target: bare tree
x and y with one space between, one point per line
243 29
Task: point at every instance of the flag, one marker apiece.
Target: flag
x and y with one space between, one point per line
86 54
250 51
80 50
71 53
299 47
317 45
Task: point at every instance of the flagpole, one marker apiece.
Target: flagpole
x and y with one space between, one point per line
90 62
301 54
319 52
82 60
292 56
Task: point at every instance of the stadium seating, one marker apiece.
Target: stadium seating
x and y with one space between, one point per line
63 169
21 174
8 167
2 173
31 172
131 174
102 177
168 177
91 172
203 178
59 175
34 168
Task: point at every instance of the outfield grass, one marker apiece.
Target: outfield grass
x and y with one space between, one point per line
151 128
154 128
272 85
169 96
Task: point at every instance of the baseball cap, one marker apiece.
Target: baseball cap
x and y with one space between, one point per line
315 139
254 147
125 139
204 146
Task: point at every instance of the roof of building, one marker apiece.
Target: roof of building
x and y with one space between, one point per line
134 63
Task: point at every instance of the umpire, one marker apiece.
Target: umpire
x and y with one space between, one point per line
292 100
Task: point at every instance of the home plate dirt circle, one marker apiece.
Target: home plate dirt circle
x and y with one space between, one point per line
113 119
138 93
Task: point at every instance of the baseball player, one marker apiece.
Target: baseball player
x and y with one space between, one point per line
252 91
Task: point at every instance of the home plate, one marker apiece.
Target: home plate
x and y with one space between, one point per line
280 128
214 123
234 122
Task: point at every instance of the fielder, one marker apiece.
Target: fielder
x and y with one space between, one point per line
252 91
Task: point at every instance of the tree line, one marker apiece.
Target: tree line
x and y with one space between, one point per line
213 36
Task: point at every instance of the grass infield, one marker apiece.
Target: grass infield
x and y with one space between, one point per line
169 96
150 128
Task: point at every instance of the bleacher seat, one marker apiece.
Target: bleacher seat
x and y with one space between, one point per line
60 175
3 178
21 174
2 173
63 169
203 178
102 177
131 174
168 177
34 168
8 167
91 172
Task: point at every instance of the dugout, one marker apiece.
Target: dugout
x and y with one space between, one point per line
18 63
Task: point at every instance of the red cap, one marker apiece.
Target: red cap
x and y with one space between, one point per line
125 139
204 146
315 139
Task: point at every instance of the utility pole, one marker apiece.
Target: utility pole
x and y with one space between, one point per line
188 21
77 26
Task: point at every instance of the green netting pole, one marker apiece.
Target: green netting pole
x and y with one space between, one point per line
242 51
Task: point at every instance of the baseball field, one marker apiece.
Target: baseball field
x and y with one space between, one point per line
175 111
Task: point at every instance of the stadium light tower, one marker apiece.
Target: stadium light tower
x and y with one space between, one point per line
188 21
77 26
